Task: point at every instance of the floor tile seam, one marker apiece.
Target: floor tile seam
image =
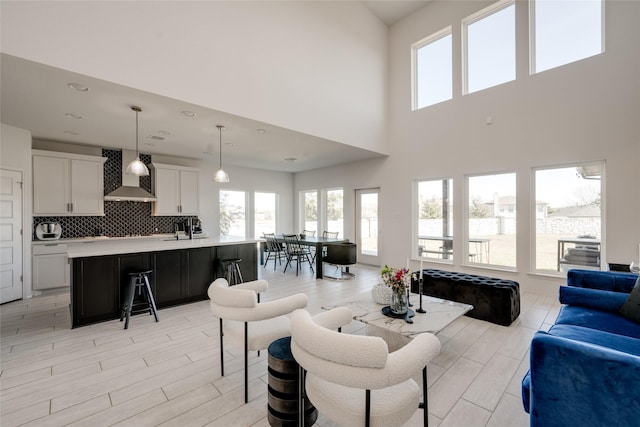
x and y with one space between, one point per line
90 353
57 387
177 396
71 373
4 389
479 407
124 420
69 408
110 382
20 334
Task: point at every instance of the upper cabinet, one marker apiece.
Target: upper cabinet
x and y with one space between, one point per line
66 184
177 189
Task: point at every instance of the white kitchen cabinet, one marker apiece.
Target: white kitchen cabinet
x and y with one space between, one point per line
67 184
50 266
177 189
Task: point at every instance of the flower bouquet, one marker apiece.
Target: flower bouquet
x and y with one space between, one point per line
399 280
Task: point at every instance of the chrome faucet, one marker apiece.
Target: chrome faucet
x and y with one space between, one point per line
190 225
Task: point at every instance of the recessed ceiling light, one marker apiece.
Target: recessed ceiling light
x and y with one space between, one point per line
290 159
71 133
149 144
164 132
188 113
72 116
261 131
228 144
78 86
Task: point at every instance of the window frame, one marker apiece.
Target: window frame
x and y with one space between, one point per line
415 219
325 205
248 212
467 235
533 212
302 210
438 35
532 39
472 19
276 197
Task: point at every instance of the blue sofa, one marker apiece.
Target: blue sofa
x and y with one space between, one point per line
586 369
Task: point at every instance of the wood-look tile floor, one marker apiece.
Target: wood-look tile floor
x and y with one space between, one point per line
168 373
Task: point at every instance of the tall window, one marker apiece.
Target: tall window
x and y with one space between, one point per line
564 32
335 211
432 69
435 219
568 211
490 41
309 201
264 216
491 219
232 213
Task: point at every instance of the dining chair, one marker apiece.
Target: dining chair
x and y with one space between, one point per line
354 380
295 252
309 233
330 234
240 306
275 249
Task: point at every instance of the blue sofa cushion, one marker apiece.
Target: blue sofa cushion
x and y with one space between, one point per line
599 320
606 339
577 383
604 280
592 298
586 335
631 307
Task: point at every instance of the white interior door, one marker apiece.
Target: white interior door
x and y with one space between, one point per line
10 235
368 226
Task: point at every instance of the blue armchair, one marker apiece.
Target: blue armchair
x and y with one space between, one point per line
586 369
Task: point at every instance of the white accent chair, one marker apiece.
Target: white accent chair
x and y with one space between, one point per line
240 305
354 380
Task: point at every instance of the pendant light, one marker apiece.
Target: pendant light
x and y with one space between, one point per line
136 167
221 175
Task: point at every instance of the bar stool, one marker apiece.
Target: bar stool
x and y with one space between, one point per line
138 280
232 271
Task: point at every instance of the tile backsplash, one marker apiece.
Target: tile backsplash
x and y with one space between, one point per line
120 218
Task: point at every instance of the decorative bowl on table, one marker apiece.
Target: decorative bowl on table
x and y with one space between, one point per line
381 294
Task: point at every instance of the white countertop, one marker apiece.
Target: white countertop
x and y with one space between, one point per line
100 246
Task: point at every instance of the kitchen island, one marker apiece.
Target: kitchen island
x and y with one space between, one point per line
182 271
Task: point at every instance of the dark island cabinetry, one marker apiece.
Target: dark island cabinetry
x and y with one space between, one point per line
98 298
179 276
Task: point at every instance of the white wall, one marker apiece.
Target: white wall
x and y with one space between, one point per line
241 179
583 111
15 154
250 181
315 67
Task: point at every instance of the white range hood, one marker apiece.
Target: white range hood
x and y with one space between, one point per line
130 189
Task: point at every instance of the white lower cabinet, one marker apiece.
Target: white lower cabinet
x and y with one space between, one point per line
50 266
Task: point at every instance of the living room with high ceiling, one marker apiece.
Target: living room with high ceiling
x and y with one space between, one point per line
298 98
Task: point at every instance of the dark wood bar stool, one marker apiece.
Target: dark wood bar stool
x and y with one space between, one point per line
138 280
232 271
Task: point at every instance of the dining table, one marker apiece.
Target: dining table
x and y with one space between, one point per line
317 242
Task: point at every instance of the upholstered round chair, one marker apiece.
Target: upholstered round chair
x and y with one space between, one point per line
240 306
354 380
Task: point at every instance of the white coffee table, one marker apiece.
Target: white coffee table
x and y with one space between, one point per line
396 331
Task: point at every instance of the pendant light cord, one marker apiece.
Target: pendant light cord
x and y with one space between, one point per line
220 146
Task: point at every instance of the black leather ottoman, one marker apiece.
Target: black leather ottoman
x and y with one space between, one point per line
494 300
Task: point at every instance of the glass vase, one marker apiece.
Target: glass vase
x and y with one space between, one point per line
399 301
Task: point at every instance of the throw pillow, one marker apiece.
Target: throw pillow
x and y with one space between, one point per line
631 308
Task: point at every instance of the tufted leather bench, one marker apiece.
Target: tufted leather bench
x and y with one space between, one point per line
494 300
